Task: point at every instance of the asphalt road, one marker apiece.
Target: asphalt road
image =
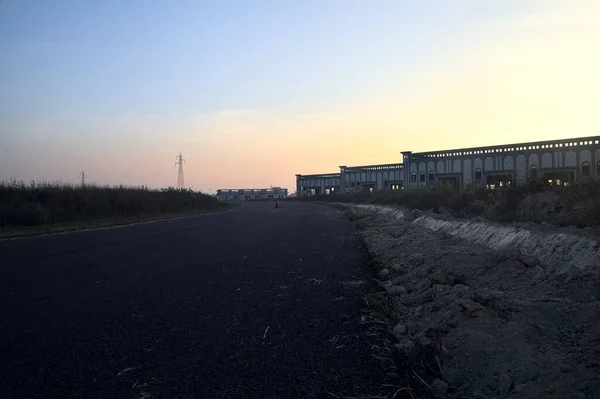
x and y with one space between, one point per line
253 303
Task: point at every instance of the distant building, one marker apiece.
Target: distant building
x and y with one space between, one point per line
254 194
561 161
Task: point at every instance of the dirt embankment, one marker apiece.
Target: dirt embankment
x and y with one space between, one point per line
468 321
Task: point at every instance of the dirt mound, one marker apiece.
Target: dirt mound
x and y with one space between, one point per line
481 323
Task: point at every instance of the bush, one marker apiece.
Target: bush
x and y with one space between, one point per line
38 204
504 204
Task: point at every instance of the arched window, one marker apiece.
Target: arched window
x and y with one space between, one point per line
478 174
431 176
598 169
413 177
422 177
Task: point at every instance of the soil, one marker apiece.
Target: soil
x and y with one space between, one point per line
473 322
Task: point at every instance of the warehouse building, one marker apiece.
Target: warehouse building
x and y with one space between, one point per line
556 161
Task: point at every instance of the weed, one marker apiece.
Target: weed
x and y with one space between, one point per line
35 204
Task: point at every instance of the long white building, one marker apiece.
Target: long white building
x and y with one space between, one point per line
566 160
252 194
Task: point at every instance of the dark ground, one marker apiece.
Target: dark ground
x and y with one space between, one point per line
245 303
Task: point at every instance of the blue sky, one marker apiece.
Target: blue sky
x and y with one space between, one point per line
241 87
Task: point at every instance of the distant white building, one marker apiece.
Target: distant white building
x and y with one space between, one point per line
253 194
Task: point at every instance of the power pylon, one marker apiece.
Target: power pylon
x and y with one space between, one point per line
180 161
82 178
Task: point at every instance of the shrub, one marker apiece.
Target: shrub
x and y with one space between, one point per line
505 202
47 203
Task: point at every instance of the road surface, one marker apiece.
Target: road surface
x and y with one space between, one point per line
256 302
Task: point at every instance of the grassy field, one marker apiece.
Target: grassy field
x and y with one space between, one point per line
577 204
37 208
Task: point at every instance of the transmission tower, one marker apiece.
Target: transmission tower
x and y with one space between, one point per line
180 161
82 178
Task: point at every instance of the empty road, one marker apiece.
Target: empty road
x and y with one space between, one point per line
255 302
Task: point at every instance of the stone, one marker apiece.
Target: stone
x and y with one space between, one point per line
439 288
504 385
567 271
472 309
462 291
415 214
400 330
453 376
565 368
405 345
439 387
396 290
384 273
530 261
416 259
418 311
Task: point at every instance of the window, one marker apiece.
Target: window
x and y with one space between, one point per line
431 176
477 174
585 169
413 177
422 177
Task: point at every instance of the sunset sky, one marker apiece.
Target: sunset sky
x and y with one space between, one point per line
253 92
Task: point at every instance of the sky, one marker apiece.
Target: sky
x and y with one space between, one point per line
252 92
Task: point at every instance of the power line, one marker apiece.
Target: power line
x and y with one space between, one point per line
180 161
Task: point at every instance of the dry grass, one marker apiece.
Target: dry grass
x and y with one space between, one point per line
50 207
43 204
579 203
412 370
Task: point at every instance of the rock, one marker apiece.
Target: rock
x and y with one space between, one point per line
439 288
504 385
565 369
384 273
397 280
514 254
530 261
415 214
400 330
539 274
462 291
404 346
439 388
472 309
453 376
424 297
418 312
499 257
426 342
416 259
396 290
567 272
397 266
